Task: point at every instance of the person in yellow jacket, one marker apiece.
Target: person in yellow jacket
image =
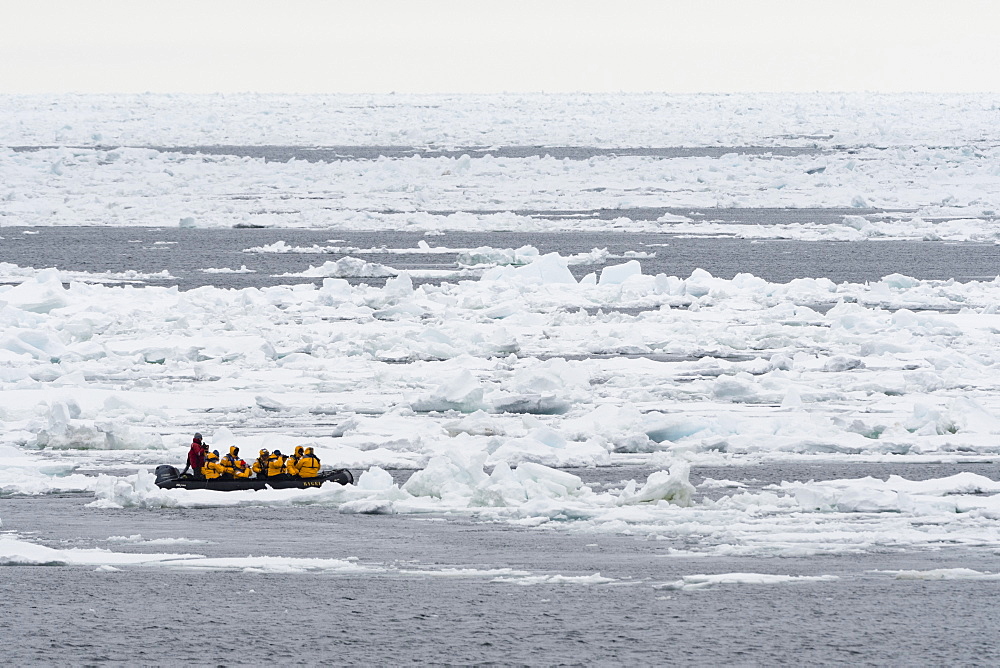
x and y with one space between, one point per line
275 464
231 463
292 463
242 469
212 469
260 464
308 464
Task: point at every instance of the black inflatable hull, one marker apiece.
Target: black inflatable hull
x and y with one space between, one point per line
168 477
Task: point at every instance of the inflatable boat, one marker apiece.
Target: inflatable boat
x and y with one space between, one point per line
168 477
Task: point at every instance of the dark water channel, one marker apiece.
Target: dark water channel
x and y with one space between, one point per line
186 252
163 616
407 611
278 153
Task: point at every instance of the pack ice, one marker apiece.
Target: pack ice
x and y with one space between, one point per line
901 166
491 384
489 387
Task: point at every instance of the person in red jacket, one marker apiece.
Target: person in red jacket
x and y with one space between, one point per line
196 456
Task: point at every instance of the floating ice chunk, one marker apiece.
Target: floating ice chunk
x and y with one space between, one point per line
119 436
501 342
895 494
537 404
792 398
31 481
346 427
226 270
840 363
369 506
673 218
137 539
944 574
899 281
859 223
67 431
671 486
336 290
503 309
37 343
62 412
375 479
461 165
619 273
453 474
619 427
404 311
739 388
463 392
659 427
851 500
699 284
529 580
547 269
927 421
117 406
967 416
712 483
41 294
399 287
477 424
549 479
279 246
553 375
595 256
548 388
269 403
547 447
223 438
694 582
502 489
348 267
15 552
24 473
485 255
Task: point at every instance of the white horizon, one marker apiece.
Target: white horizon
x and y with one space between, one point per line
454 47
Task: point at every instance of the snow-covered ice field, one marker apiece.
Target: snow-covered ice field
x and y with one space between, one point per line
924 165
464 394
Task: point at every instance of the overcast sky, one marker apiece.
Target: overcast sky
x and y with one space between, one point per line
444 46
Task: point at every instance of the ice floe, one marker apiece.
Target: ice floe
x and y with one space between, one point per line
548 120
15 550
945 574
695 582
934 181
791 519
703 366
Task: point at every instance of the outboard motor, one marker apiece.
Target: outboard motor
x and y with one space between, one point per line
167 476
340 476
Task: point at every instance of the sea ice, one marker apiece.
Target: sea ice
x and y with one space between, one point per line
694 582
485 382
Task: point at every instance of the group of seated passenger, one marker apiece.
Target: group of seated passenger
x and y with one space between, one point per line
303 464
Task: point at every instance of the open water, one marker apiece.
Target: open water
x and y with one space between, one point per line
186 252
414 615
